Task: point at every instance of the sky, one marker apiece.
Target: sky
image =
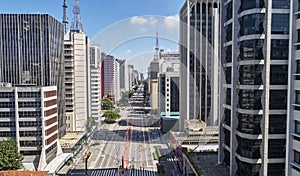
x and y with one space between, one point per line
123 28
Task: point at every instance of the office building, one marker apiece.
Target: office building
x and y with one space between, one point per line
168 91
111 78
293 120
95 88
124 75
131 77
77 79
199 62
31 68
255 52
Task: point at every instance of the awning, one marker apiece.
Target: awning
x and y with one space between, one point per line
58 162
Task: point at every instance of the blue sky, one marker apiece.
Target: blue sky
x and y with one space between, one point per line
114 24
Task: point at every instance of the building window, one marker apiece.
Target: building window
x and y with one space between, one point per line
278 99
276 169
249 123
228 11
297 127
276 148
227 137
281 4
277 124
228 54
227 116
246 4
251 50
228 33
250 99
250 74
249 148
252 24
280 24
247 168
296 157
279 75
228 75
279 49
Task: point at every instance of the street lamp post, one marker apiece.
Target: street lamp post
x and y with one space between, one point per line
86 158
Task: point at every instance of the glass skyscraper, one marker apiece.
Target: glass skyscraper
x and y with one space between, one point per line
255 51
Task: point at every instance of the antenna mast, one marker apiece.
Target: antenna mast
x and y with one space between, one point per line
65 17
76 21
156 54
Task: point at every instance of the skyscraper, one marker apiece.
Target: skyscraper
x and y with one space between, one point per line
95 68
255 51
111 78
31 69
77 80
199 46
293 122
77 74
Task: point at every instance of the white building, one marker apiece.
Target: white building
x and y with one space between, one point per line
117 91
130 77
95 88
77 80
124 75
31 119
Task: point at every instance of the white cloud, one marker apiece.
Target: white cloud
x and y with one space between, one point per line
128 52
172 21
152 20
138 20
169 50
142 29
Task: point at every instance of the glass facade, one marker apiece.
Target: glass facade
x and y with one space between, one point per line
31 49
174 89
256 78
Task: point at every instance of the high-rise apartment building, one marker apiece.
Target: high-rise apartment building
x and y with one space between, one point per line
31 69
77 80
95 88
255 52
124 75
111 78
131 77
199 46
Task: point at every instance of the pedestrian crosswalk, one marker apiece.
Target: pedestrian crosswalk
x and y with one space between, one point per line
104 172
116 172
135 172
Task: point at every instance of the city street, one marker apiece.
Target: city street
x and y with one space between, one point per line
127 143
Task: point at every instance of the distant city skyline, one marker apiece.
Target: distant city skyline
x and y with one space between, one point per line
144 16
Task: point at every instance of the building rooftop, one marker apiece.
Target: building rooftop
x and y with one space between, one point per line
71 138
23 173
208 164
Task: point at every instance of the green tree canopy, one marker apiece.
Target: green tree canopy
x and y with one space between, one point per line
89 123
111 116
107 104
10 158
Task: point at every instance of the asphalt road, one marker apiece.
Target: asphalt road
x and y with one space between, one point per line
127 142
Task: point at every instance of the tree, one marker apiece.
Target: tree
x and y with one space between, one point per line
10 158
89 123
111 116
107 104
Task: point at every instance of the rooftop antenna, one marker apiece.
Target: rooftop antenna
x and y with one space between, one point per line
156 54
65 17
76 21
